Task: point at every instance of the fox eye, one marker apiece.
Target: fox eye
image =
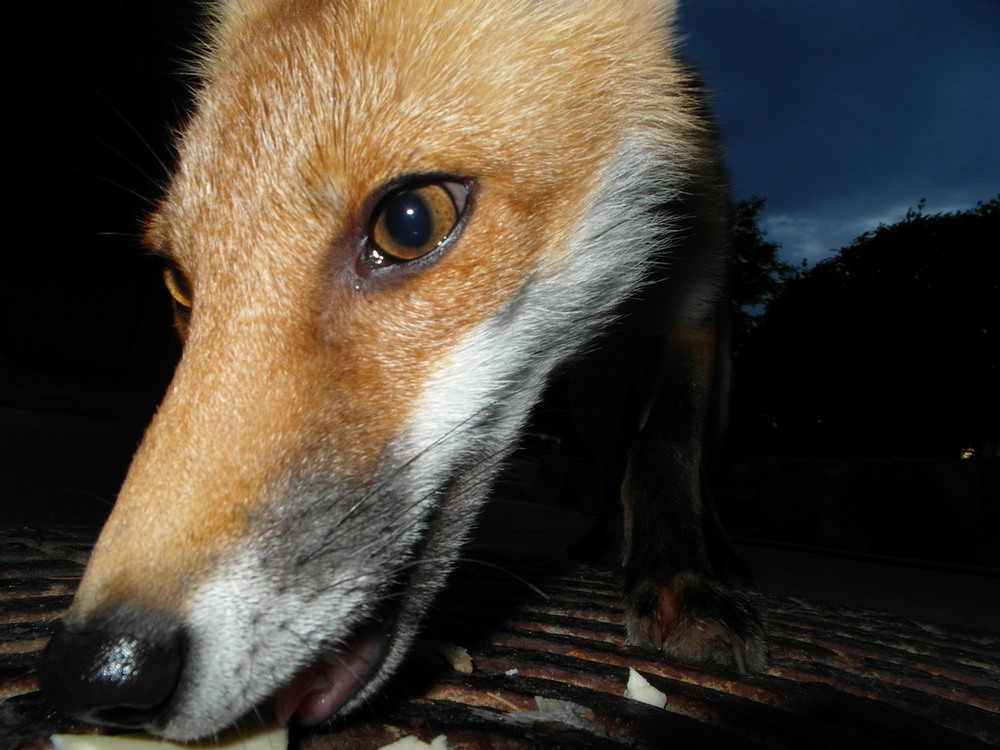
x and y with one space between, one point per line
414 220
178 286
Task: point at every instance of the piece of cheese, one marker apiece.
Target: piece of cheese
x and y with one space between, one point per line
457 656
639 689
275 739
415 743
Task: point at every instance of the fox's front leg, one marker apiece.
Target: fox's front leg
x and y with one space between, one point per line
681 588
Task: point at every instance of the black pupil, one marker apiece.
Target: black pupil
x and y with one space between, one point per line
408 220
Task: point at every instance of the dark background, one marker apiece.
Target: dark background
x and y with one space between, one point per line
86 345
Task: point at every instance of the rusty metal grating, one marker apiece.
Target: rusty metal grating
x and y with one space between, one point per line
838 678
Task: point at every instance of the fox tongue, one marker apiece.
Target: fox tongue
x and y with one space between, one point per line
320 690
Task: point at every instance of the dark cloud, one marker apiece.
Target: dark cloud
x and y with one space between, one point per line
843 114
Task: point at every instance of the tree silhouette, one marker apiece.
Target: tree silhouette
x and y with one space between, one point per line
756 273
892 347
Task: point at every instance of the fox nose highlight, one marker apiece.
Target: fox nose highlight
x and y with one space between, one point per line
122 670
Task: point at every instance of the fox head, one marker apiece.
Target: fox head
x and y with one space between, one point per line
390 221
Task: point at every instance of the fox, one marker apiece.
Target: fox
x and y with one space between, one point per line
390 223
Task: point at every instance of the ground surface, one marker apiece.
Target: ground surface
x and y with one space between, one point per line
841 674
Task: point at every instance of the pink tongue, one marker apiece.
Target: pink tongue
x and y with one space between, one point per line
318 691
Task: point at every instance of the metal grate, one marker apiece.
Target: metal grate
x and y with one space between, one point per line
839 677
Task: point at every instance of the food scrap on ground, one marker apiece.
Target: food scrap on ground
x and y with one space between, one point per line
639 689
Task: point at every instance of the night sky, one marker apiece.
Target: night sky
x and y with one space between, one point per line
845 113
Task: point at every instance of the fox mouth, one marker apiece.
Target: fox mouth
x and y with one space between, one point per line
321 689
345 669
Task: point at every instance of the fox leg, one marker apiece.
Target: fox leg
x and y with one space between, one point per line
682 592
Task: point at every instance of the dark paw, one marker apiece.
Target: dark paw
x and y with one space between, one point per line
696 619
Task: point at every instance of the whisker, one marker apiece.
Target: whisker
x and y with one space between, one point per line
502 569
122 118
471 481
118 152
333 534
147 201
107 233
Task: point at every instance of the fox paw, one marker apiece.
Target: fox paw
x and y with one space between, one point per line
696 619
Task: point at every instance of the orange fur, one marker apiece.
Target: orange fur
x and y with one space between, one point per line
282 355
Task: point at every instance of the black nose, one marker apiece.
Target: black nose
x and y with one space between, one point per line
121 669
